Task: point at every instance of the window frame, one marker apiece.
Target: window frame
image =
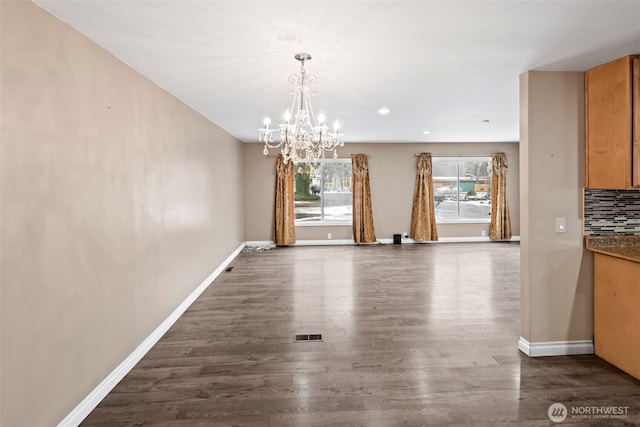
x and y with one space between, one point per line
459 159
323 222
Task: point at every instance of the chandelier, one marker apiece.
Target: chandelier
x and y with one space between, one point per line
303 136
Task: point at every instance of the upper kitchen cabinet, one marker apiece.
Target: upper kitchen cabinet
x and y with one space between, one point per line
612 110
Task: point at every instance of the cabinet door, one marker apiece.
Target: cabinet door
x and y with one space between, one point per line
636 122
608 95
616 322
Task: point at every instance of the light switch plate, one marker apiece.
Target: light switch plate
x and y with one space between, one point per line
560 225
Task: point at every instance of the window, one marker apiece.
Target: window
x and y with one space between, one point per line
462 189
323 192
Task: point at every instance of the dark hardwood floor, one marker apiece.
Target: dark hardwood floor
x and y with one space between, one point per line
411 335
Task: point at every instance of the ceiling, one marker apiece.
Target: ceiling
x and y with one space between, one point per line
439 66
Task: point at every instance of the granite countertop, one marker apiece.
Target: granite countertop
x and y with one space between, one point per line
626 247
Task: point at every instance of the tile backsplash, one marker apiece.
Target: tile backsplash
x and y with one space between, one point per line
608 212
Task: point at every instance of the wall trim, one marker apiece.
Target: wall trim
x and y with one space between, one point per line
332 242
269 243
468 239
258 243
555 348
89 403
475 239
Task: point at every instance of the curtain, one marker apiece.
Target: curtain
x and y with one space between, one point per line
284 230
500 227
423 215
362 214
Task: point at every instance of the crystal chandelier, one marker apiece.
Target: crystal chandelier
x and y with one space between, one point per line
305 138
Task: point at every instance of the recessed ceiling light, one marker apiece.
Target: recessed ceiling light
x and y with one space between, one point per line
485 122
384 110
426 132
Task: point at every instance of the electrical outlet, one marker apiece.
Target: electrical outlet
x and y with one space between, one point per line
405 234
329 236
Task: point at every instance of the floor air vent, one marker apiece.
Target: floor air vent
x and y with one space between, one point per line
307 338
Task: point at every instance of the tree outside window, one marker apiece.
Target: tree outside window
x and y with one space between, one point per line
322 192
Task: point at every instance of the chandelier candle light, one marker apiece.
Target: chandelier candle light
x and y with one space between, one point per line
302 140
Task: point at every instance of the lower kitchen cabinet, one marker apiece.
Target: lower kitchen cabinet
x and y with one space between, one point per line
617 312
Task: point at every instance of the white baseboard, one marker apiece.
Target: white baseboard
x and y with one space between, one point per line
258 243
90 402
332 242
475 239
468 239
269 243
390 241
555 348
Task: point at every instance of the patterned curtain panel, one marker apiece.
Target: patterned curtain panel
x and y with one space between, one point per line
423 215
284 229
500 228
363 231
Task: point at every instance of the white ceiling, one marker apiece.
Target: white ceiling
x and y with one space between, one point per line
442 66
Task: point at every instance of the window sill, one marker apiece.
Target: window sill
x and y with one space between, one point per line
323 224
463 221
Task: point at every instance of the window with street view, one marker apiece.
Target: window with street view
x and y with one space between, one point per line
462 188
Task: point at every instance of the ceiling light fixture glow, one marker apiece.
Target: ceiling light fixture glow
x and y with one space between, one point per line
307 138
383 111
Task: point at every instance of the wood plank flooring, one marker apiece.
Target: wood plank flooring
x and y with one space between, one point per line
412 335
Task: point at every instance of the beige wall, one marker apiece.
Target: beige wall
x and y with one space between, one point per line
556 270
117 202
392 169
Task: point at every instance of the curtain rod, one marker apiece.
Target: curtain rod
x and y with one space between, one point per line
466 155
328 158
